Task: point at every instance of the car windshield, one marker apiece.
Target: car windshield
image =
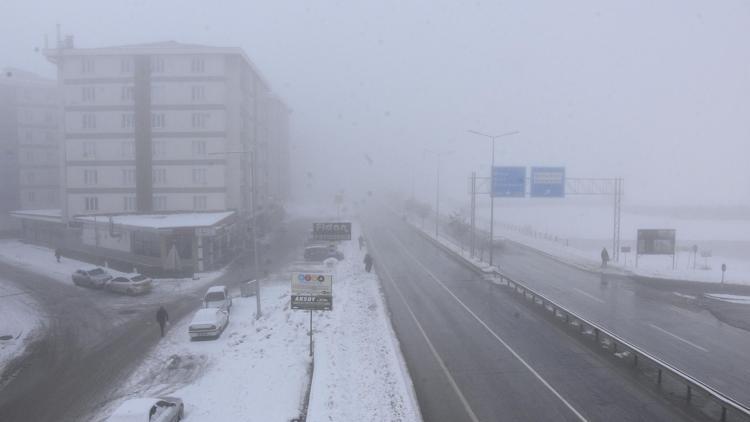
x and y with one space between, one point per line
424 210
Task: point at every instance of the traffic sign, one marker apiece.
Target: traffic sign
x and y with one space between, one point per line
312 291
548 182
509 182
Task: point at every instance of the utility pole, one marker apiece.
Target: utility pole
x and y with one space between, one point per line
438 155
473 212
492 193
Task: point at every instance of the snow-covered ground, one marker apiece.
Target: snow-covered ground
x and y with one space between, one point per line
21 321
41 260
576 230
258 369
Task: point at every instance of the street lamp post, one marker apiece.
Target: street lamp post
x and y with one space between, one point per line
492 194
438 155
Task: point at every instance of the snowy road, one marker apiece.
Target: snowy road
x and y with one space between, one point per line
475 354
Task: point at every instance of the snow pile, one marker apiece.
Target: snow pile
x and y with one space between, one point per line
257 370
360 374
20 323
738 299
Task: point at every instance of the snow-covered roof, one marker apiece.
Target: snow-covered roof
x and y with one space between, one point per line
53 215
162 221
214 289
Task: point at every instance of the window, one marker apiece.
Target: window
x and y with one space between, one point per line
128 203
87 65
128 149
159 176
127 121
91 203
90 177
88 94
126 93
28 136
88 121
128 177
29 156
158 149
48 117
146 243
197 93
199 202
157 120
197 65
31 196
199 120
199 147
157 93
157 64
89 149
49 137
28 116
126 65
160 203
27 94
199 176
30 178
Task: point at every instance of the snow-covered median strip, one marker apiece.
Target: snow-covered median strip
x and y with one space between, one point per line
740 300
258 370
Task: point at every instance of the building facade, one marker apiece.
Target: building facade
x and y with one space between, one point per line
29 139
165 127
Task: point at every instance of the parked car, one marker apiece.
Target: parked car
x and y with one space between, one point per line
156 409
208 322
94 277
217 297
132 285
322 252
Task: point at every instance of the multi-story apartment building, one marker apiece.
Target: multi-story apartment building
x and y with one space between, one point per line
165 127
161 147
29 164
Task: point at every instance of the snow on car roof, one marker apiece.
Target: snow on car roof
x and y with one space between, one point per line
214 289
204 316
133 409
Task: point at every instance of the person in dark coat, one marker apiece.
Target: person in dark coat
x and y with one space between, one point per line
368 262
57 254
605 257
162 318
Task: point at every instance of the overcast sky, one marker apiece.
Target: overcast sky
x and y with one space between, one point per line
655 92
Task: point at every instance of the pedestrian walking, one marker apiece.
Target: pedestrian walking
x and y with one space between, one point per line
162 318
58 254
368 262
605 257
361 242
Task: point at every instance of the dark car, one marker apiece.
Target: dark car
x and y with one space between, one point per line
321 253
95 277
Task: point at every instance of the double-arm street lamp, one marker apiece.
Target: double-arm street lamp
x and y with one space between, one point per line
439 156
492 194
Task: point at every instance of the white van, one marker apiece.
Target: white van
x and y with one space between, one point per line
217 297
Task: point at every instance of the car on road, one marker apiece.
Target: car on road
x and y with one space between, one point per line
322 252
149 409
131 284
94 277
208 322
217 297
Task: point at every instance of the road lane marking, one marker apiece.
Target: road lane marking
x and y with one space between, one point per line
590 296
439 360
656 327
487 327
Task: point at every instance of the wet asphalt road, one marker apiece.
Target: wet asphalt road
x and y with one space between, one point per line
90 345
475 354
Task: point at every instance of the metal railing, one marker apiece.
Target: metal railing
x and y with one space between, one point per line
670 380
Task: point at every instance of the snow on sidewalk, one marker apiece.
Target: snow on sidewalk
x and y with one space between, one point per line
20 322
258 369
360 374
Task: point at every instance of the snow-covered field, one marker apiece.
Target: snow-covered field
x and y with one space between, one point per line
41 260
21 322
258 369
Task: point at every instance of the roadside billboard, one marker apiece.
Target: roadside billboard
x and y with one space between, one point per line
656 242
312 291
332 231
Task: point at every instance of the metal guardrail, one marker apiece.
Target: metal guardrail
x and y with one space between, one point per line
708 400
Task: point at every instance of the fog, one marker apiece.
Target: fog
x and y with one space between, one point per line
657 93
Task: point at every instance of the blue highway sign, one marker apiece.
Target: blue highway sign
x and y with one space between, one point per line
509 182
548 182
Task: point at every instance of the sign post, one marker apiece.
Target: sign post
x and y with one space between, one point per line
312 291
